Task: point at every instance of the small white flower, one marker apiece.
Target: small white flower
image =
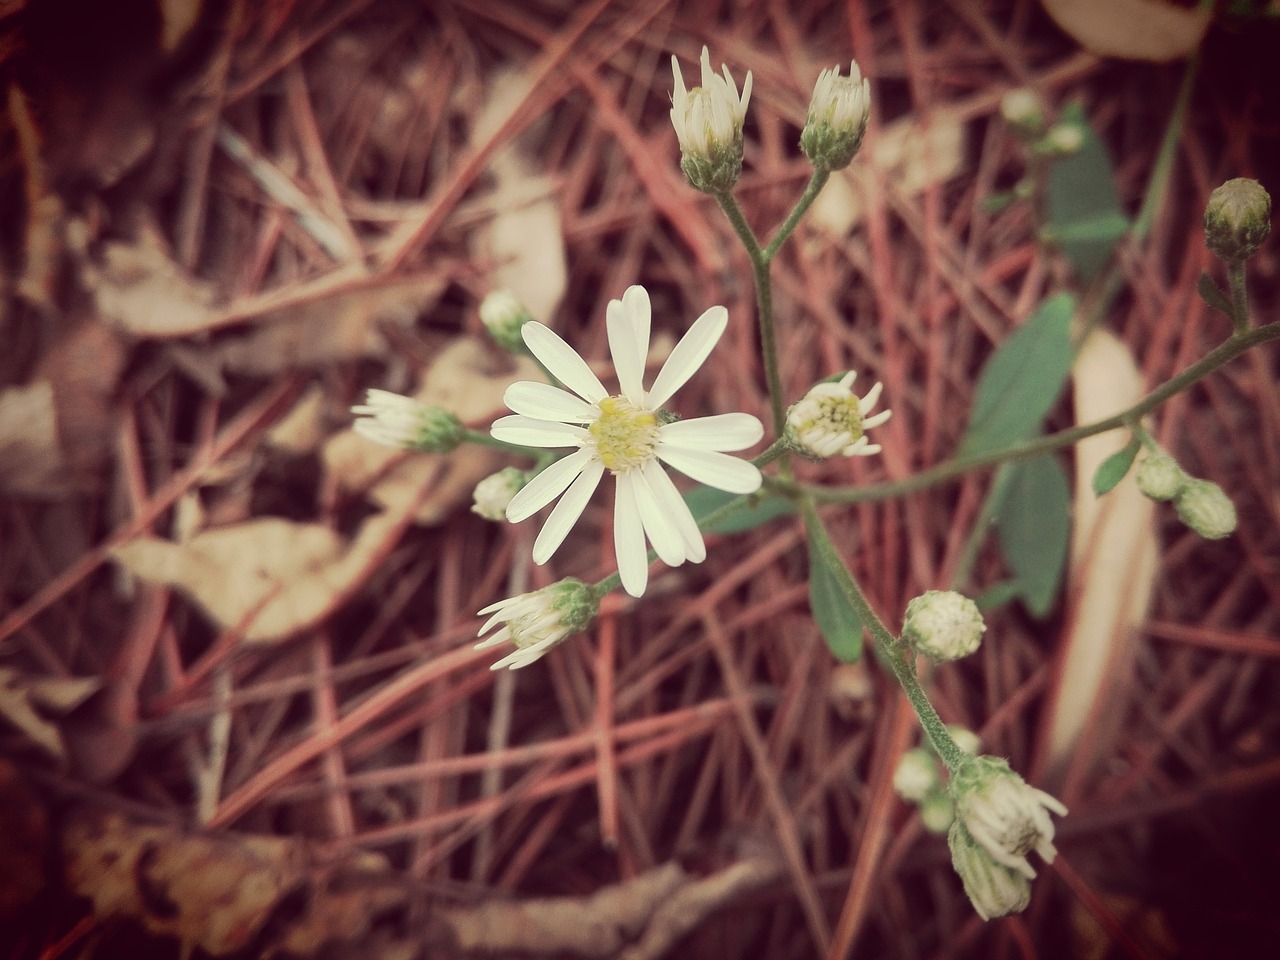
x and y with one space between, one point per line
708 122
494 492
398 421
503 315
625 435
1003 813
829 420
915 775
943 624
535 622
994 889
837 120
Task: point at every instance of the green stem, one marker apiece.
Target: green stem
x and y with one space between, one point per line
1239 296
889 650
811 191
485 440
1026 449
779 448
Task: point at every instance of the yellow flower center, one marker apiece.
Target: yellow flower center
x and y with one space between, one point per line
834 415
625 437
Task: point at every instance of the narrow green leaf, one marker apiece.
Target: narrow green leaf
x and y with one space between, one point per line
1034 526
1084 214
1113 469
840 624
755 509
997 595
1022 379
1211 294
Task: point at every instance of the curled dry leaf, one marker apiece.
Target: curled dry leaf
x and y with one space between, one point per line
464 380
1153 30
31 461
25 702
1113 548
217 892
275 576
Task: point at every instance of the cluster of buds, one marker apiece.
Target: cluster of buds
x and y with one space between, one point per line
535 622
1000 818
831 421
1237 219
917 779
708 121
837 120
943 625
408 424
1201 504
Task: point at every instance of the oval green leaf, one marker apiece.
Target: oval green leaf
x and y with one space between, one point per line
840 624
1034 529
1113 469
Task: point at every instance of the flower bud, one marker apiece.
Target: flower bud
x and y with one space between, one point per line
943 624
535 622
708 121
1064 139
1204 508
994 889
937 812
503 315
494 492
1021 109
1159 477
837 120
916 775
829 421
965 739
1003 813
1237 219
399 421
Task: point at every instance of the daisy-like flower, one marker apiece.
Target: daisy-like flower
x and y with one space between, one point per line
535 622
829 420
708 121
398 421
1003 813
837 120
627 435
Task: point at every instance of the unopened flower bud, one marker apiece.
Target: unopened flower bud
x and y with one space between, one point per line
1237 219
399 421
994 889
503 315
965 739
1203 507
1021 109
937 812
1159 477
837 120
494 492
708 121
943 624
916 775
830 421
1064 139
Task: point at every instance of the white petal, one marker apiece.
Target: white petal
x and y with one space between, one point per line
628 358
673 504
545 402
546 486
717 470
563 361
567 512
658 526
876 419
528 432
688 355
628 539
725 431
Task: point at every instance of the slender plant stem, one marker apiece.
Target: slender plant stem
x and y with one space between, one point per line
779 448
811 191
889 650
1239 296
485 440
1026 449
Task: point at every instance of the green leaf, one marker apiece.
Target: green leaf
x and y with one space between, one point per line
755 509
997 595
1034 527
1211 294
1084 213
1113 469
1022 379
840 624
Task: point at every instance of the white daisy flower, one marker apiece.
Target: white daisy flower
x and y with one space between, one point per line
829 420
535 622
708 121
625 435
837 120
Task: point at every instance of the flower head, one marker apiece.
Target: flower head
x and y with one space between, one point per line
503 315
943 624
1203 507
837 120
1003 813
708 121
1160 477
1021 109
916 775
994 889
494 492
399 421
829 420
535 622
1237 219
627 435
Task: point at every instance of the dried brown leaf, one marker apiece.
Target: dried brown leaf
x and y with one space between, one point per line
140 289
1133 29
25 700
31 461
